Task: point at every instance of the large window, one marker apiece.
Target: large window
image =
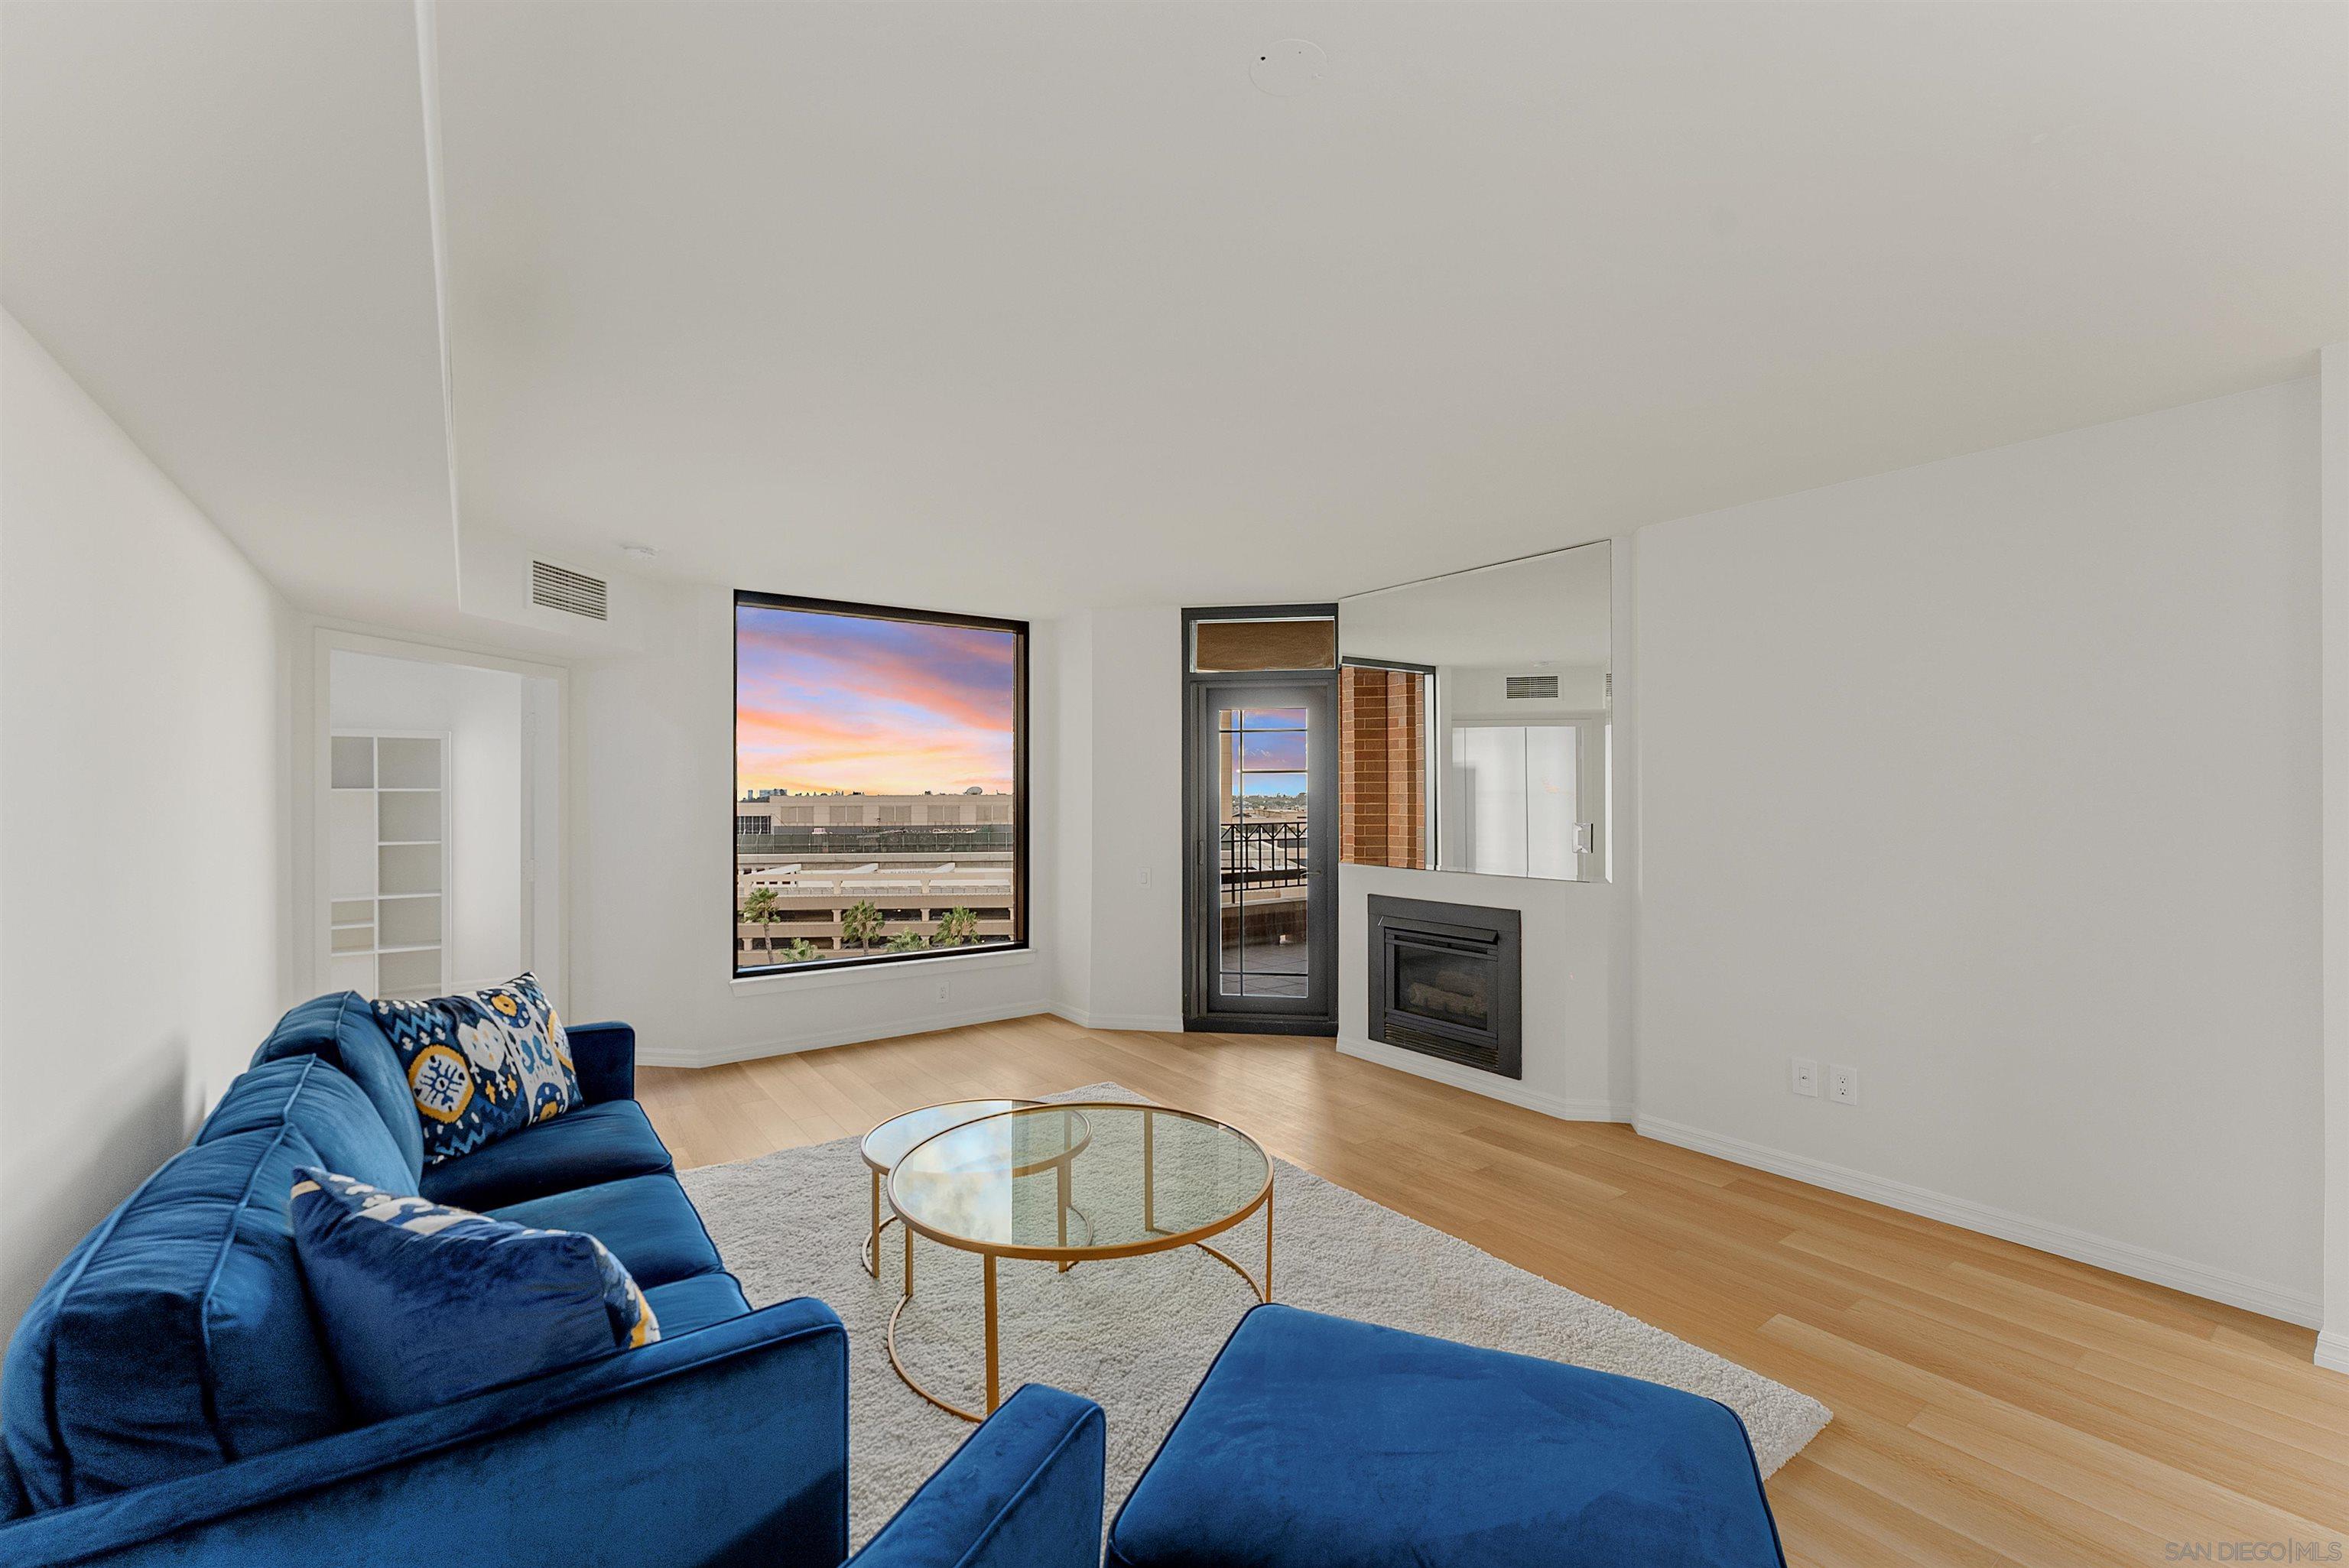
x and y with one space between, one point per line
880 765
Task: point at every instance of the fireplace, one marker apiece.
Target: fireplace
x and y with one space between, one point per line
1444 981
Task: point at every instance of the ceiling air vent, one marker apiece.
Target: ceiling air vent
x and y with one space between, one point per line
1533 685
555 587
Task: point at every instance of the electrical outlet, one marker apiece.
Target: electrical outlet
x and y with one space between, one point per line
942 989
1145 876
1843 1085
1805 1077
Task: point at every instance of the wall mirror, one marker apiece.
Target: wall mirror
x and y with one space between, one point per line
1473 719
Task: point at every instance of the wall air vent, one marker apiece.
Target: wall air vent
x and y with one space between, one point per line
555 587
1533 685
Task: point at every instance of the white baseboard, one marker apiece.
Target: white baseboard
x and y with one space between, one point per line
2160 1268
2333 1351
1085 1019
718 1056
1487 1084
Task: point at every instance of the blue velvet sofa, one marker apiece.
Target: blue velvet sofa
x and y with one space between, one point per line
168 1399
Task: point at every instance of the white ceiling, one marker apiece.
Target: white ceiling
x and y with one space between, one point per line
214 216
1019 307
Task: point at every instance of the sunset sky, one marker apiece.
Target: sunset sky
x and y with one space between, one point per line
829 702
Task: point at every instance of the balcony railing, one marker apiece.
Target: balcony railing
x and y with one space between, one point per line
817 889
877 840
1262 854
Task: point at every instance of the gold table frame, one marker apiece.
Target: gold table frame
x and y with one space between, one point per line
1065 1255
880 1172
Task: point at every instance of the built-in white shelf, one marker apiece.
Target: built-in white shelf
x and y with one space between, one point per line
387 869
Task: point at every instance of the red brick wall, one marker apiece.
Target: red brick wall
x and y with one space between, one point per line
1382 758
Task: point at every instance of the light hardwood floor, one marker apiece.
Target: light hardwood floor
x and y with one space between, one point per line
1992 1404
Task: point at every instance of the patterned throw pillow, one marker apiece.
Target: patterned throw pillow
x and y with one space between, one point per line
424 1304
482 1066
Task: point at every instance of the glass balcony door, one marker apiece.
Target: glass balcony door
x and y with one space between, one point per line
1263 870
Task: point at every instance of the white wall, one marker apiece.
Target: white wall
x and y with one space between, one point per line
1997 779
652 787
1118 940
547 912
1136 933
485 825
1070 673
481 712
2332 1344
144 884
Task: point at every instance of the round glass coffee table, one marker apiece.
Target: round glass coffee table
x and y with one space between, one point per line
887 1144
1151 1179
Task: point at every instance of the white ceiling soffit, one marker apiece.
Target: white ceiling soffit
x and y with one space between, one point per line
1020 307
215 219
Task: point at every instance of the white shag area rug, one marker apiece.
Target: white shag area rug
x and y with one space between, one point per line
1135 1335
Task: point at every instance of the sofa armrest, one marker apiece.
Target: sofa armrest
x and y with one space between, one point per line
604 1057
725 1445
1023 1491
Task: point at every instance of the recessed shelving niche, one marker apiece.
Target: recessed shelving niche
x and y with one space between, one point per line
387 863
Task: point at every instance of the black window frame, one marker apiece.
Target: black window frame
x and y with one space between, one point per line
1019 776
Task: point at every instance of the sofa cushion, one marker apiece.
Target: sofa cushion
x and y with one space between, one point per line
1318 1441
579 1148
646 1221
333 1113
341 1027
424 1304
177 1336
483 1065
685 1304
604 1057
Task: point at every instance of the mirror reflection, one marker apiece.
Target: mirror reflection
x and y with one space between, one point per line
1473 718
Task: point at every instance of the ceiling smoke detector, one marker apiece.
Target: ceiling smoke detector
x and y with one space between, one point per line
1289 68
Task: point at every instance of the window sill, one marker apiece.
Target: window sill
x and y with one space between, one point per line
912 969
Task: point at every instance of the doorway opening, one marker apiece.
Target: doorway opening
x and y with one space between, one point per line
438 817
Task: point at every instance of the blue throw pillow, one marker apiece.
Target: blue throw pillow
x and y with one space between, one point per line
481 1066
423 1304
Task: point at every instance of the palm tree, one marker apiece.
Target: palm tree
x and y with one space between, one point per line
859 923
799 951
958 928
759 907
907 942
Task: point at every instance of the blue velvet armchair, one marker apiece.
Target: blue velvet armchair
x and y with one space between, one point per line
167 1399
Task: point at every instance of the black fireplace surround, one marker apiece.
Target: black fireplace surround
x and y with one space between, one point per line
1445 981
